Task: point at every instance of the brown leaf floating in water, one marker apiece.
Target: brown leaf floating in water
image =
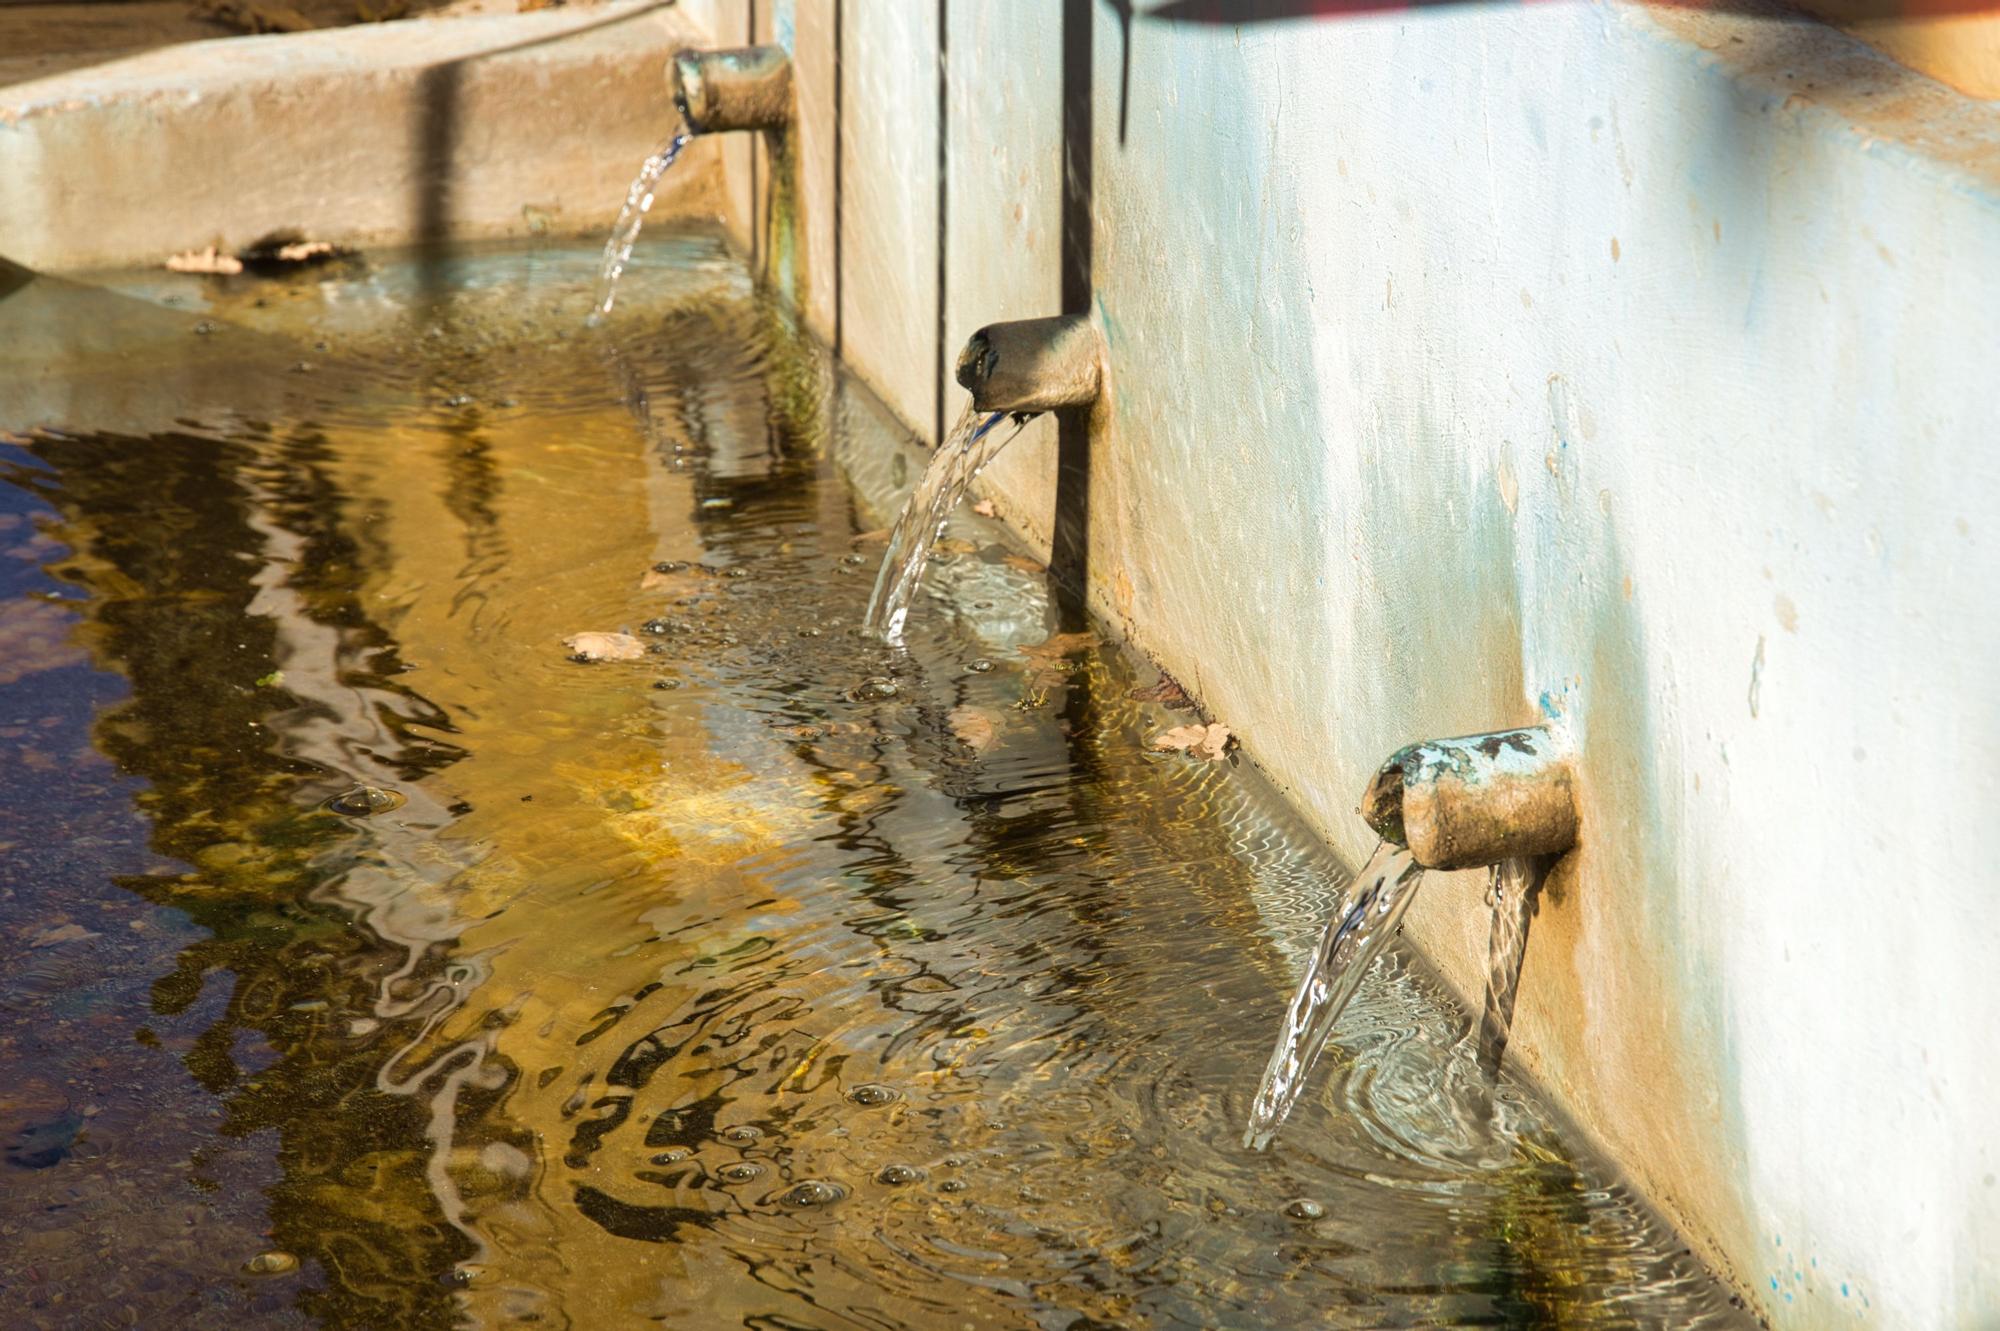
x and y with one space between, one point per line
1046 664
1209 741
1168 693
604 647
977 728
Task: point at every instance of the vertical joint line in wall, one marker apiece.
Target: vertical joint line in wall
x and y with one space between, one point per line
756 232
943 209
839 168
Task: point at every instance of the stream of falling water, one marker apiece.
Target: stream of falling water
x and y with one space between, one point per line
1354 937
965 452
632 218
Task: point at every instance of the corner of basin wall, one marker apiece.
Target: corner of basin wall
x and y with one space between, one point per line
453 112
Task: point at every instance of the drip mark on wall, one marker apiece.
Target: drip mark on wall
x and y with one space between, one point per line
1757 675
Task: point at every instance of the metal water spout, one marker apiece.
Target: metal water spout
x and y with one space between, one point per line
1034 365
747 87
1477 799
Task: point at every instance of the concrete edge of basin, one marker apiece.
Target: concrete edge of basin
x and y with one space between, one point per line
415 130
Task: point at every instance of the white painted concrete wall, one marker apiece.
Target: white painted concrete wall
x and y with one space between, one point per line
1475 364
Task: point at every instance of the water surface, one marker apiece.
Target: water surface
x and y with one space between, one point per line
779 978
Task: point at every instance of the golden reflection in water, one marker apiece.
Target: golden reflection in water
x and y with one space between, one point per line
624 1014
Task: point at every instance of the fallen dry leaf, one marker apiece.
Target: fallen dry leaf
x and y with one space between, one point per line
1207 741
1168 693
977 728
305 250
952 545
65 933
1058 645
605 647
276 251
1046 665
210 260
1023 563
880 536
984 508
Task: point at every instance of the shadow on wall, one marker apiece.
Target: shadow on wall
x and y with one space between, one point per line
1850 15
438 134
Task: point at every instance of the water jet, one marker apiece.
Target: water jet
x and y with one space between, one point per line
1022 368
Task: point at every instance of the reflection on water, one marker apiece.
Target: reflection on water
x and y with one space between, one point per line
705 989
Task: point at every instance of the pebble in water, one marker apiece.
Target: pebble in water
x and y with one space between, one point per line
874 689
272 1263
365 801
897 1175
1305 1208
671 566
666 683
813 1192
873 1093
979 667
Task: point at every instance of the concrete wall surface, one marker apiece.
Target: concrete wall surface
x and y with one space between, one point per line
383 133
1473 365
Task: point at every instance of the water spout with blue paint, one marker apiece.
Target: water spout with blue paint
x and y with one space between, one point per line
1504 800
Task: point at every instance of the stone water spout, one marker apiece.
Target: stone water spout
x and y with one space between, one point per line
747 87
1028 366
1477 799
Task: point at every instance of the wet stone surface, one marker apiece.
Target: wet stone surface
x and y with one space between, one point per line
761 999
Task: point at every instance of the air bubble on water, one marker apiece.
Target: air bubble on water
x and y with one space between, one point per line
898 1175
272 1263
742 1134
740 1172
672 1157
366 801
875 689
1305 1208
813 1192
873 1093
